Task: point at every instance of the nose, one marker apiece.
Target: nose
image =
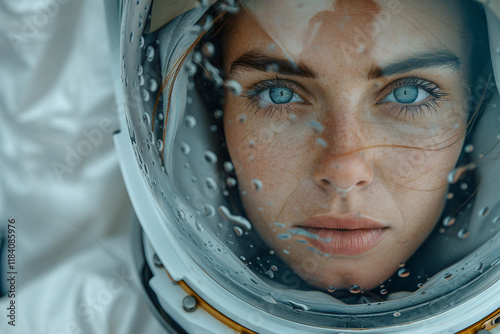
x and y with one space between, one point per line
343 173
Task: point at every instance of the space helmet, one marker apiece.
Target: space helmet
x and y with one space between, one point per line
313 167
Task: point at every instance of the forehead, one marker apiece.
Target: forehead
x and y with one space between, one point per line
378 29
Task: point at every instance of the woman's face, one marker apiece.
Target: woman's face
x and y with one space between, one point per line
352 115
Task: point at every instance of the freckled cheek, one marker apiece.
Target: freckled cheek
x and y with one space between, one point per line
418 185
276 165
260 143
424 164
277 159
407 166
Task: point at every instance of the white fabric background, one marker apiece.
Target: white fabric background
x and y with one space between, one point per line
72 244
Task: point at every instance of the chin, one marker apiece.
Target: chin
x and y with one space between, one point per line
344 279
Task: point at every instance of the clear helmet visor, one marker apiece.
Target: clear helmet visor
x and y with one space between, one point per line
333 159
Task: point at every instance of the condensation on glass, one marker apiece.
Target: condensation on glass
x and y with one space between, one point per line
320 175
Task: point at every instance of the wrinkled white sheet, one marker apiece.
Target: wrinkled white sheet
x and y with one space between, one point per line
59 176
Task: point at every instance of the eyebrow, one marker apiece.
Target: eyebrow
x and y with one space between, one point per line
424 60
255 60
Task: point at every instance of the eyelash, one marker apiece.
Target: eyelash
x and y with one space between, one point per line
413 110
422 109
253 101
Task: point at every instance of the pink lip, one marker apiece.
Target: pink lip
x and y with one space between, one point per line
348 236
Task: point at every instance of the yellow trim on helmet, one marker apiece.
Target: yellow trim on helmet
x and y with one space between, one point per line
487 323
211 310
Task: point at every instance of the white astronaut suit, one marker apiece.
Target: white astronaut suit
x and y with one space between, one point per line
60 178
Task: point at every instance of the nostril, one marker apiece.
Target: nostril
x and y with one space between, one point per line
362 183
326 182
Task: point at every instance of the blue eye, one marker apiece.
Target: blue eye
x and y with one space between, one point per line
407 95
279 95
